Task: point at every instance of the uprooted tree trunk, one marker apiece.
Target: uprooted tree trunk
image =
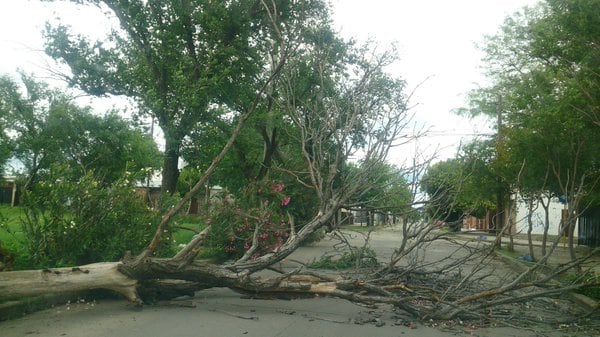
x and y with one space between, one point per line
459 285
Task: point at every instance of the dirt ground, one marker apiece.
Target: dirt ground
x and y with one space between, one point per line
222 312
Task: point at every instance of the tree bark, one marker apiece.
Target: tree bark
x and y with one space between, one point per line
17 284
546 207
170 170
530 227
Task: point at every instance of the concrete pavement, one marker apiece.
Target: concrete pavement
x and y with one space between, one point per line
221 312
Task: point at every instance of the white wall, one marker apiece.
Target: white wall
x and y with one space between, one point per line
554 210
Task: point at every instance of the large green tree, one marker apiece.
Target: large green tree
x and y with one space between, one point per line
270 147
46 127
186 63
542 66
460 186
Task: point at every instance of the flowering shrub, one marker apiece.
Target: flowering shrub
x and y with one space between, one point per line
234 225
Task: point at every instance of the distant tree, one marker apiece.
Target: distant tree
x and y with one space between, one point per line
459 187
389 193
46 127
443 184
543 68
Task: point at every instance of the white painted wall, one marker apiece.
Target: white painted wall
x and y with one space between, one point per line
554 210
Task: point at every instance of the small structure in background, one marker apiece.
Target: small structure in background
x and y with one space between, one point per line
9 193
150 194
216 195
473 223
556 216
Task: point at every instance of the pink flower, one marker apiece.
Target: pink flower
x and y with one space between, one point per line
276 187
285 201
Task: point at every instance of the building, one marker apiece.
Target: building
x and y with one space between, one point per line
556 213
9 193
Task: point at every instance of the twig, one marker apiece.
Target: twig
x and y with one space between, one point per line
253 318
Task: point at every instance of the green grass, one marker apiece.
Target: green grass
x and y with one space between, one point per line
182 235
184 228
360 229
361 257
10 225
513 254
11 232
590 278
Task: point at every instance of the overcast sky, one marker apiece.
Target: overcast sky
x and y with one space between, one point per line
435 38
437 44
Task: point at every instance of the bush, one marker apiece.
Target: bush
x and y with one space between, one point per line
79 221
590 279
363 257
233 223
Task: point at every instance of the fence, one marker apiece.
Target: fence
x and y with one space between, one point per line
589 228
9 193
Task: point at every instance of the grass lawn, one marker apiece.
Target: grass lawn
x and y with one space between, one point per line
360 228
10 225
181 233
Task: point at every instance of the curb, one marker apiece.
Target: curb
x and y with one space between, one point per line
21 307
582 300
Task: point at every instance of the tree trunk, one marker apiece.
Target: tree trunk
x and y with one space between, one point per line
17 284
546 207
571 231
269 150
530 228
193 208
170 170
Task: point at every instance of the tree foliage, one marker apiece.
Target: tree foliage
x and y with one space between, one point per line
389 193
544 90
458 187
185 62
80 170
46 127
73 218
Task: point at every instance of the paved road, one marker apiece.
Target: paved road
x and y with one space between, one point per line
221 312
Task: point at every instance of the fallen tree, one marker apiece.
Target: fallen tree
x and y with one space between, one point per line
363 115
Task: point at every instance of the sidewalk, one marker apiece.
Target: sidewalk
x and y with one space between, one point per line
560 255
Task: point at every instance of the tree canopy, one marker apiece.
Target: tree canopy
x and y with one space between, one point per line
186 63
45 127
542 67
